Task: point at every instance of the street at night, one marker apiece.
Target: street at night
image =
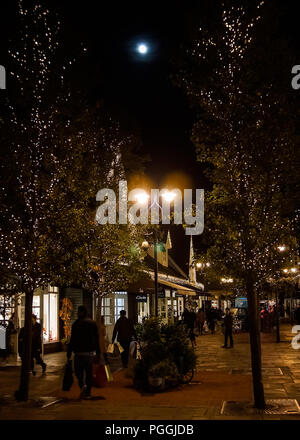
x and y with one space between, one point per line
149 230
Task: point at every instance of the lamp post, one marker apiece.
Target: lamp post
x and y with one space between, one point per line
143 198
200 266
277 317
291 271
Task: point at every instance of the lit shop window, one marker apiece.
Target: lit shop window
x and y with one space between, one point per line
6 309
36 308
106 311
119 305
50 315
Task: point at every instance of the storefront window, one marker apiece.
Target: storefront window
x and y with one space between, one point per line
119 305
106 311
36 307
6 309
50 315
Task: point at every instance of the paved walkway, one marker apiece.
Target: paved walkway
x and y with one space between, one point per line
222 375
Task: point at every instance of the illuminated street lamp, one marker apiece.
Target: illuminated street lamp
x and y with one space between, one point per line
226 280
202 265
143 198
281 248
292 270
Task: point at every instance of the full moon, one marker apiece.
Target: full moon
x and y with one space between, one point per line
142 48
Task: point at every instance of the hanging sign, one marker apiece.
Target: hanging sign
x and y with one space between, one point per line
141 297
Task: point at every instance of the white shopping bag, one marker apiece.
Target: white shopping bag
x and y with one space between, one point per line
110 348
120 347
132 348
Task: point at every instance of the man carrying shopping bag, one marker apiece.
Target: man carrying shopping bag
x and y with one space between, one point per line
124 331
84 343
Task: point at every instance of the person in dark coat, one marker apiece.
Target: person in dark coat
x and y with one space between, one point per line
124 331
189 319
84 343
10 330
200 320
37 345
211 317
228 322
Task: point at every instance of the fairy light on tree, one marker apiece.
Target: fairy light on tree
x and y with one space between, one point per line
30 167
57 158
252 149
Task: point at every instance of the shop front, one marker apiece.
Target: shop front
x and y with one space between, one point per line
46 308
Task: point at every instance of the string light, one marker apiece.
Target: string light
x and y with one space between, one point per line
240 146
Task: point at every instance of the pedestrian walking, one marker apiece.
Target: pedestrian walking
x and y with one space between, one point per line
10 330
124 331
37 345
228 322
200 320
84 343
211 320
189 319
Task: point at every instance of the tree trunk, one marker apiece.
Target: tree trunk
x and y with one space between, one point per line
255 344
98 310
22 393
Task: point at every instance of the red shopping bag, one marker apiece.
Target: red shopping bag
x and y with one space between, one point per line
99 376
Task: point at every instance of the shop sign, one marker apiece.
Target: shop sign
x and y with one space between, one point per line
241 303
141 298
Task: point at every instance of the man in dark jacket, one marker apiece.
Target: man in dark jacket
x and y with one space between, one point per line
228 321
125 331
37 345
189 319
84 343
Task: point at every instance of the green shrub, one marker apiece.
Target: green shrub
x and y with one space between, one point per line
165 350
163 369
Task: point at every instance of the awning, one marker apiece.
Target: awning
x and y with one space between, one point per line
221 292
180 289
147 285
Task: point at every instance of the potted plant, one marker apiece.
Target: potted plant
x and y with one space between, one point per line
165 352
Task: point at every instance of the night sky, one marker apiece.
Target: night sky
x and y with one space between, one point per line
138 91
